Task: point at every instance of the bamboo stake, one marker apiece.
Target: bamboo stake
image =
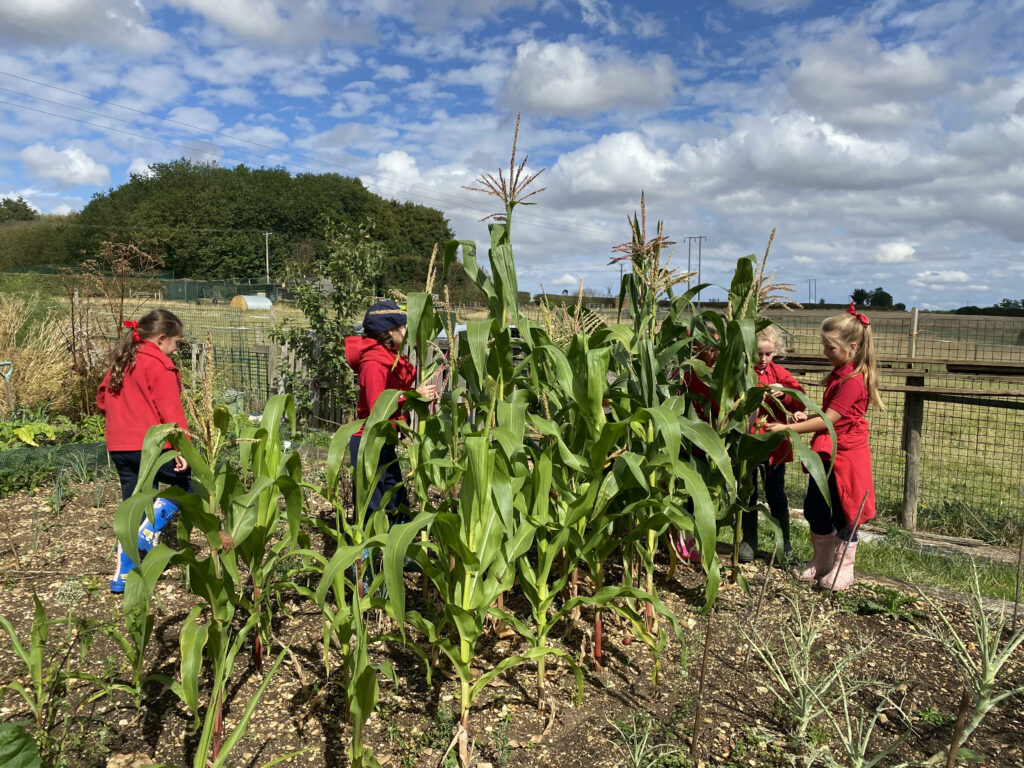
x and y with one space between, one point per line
699 708
958 729
1020 559
760 602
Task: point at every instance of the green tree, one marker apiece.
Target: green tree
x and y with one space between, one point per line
209 222
860 297
340 290
880 299
16 210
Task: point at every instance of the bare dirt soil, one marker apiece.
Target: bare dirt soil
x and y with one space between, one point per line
741 722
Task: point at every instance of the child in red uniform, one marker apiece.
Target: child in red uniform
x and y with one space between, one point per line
849 390
773 472
376 360
143 389
707 409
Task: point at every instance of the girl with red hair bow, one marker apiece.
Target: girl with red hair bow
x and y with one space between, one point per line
143 389
849 389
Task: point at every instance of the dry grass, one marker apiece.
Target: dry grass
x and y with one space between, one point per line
38 354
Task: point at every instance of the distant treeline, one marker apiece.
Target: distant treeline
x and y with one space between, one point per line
207 222
1006 307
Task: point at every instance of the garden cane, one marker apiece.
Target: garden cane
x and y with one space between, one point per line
846 546
6 369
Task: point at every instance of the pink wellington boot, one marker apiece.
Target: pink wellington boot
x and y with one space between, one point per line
840 577
823 560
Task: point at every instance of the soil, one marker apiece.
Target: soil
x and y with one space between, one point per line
741 723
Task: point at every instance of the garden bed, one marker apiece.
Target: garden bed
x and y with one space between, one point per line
66 559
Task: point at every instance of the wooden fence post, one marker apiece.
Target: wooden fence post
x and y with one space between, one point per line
913 420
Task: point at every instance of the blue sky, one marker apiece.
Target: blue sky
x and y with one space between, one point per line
883 140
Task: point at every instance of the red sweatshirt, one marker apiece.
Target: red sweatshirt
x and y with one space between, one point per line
846 393
776 374
150 394
378 368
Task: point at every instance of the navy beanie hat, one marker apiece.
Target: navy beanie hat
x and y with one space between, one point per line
382 317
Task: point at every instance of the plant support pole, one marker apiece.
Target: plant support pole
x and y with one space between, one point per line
699 708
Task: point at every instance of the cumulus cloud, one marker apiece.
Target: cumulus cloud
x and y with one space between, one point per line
197 117
140 167
940 280
398 72
122 25
69 167
613 164
851 80
566 280
565 79
894 252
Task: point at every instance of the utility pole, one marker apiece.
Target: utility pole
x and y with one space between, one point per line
266 236
810 281
689 256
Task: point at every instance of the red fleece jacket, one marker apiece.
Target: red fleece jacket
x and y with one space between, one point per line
378 368
150 394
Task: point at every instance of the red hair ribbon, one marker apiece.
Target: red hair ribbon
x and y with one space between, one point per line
134 326
852 310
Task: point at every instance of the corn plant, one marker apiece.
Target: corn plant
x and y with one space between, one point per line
349 586
229 507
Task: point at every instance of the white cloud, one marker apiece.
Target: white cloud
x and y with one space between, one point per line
122 25
140 167
398 72
803 260
940 280
852 81
564 79
894 252
619 19
618 164
232 96
566 279
770 6
70 167
196 117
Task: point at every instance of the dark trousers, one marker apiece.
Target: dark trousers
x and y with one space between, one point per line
822 518
127 465
391 477
773 480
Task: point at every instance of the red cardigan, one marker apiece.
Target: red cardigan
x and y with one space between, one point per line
150 394
378 368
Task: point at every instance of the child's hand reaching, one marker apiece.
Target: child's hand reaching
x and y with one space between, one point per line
426 391
180 465
800 416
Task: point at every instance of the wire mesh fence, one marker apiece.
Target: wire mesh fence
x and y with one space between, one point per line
939 336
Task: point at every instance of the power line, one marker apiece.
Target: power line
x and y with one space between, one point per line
438 198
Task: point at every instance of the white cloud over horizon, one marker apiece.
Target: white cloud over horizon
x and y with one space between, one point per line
881 140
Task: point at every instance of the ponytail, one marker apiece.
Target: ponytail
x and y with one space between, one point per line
151 325
854 328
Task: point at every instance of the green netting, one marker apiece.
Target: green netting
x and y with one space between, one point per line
28 466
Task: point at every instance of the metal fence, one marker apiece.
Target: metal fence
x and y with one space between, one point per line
956 386
947 450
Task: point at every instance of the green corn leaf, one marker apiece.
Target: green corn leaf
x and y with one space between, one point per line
336 455
192 640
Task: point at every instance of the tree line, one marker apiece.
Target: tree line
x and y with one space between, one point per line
207 222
